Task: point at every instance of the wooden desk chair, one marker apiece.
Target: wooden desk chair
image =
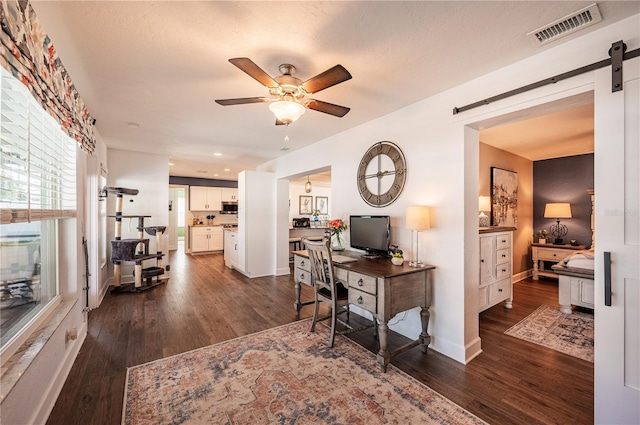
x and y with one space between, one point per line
326 288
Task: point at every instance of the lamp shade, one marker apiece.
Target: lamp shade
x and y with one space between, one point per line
287 111
484 203
418 218
557 210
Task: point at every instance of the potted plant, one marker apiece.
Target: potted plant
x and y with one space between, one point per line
396 255
541 236
315 214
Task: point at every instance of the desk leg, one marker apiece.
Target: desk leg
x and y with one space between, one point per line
425 338
296 304
383 355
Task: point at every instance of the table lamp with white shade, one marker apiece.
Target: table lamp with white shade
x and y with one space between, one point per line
484 204
558 210
417 220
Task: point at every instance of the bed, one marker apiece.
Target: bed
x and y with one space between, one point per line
575 275
575 281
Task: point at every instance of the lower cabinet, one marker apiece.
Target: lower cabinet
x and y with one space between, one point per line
496 274
207 238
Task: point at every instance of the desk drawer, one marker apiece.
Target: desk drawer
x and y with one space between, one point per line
362 282
341 275
503 256
550 254
302 263
362 300
303 276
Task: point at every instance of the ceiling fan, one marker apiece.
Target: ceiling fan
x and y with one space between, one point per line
288 94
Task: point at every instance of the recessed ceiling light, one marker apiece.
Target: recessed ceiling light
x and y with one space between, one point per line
217 154
227 169
216 175
171 163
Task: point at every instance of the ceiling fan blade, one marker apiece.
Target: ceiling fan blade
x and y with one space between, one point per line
254 71
242 101
328 78
327 108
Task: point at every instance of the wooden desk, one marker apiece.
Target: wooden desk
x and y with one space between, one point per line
382 289
552 253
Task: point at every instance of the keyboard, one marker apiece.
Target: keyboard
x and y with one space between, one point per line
342 259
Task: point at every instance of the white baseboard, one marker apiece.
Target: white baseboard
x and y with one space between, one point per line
522 275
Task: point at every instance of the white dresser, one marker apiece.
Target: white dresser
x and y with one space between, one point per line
496 267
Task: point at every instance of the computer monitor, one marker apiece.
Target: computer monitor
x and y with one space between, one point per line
370 233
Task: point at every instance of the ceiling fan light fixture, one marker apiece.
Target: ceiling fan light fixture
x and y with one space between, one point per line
287 111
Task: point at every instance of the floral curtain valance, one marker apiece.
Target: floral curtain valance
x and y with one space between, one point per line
27 52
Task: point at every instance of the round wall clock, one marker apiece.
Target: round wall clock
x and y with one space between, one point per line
381 174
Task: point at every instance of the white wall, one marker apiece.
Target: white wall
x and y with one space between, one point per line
442 160
150 175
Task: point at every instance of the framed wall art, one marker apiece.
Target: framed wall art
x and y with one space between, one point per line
322 204
306 205
504 197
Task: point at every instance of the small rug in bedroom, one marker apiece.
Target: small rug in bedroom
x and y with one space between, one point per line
571 334
285 375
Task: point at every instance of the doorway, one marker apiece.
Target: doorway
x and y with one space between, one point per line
177 217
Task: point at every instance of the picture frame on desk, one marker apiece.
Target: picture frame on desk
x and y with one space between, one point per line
305 205
322 204
504 197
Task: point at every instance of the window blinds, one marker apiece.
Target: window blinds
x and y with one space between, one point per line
37 159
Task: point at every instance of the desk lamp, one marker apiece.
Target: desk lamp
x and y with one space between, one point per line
417 220
558 211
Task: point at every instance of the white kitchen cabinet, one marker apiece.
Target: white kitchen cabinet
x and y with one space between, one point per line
230 248
206 238
203 198
229 194
496 282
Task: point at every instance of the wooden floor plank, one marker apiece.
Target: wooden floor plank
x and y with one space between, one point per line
511 382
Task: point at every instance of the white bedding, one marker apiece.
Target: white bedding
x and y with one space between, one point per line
579 260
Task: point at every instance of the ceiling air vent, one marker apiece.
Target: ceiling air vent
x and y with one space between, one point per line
571 23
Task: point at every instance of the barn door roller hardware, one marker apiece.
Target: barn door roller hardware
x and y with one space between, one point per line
618 55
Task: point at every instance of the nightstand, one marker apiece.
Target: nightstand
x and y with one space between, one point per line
552 253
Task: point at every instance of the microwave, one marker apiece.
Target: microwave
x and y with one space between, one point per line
229 208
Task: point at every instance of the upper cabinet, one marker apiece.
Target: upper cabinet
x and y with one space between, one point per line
205 198
229 194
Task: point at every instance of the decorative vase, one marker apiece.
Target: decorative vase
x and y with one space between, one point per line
397 261
542 241
337 244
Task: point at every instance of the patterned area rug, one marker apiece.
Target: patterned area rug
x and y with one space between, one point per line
571 334
285 375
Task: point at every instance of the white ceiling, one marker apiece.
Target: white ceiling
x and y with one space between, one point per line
149 71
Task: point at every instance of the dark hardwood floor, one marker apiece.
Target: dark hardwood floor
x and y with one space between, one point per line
511 382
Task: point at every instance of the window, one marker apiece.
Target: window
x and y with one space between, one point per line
37 189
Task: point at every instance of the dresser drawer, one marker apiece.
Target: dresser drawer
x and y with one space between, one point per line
302 263
362 300
499 291
550 254
503 241
362 282
503 256
302 276
503 271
